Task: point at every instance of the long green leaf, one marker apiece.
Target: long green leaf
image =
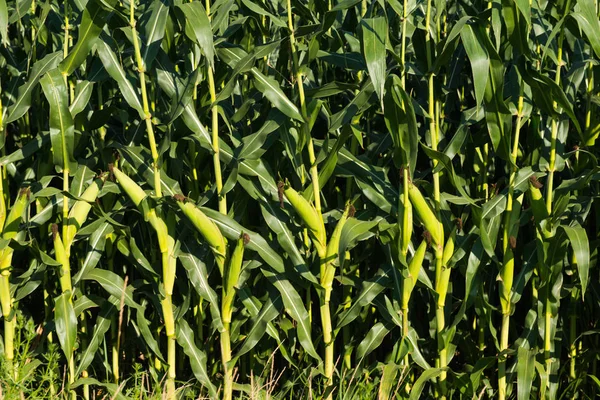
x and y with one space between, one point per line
587 17
185 338
23 101
62 128
198 276
525 370
95 16
3 22
581 250
116 71
198 28
66 323
154 30
427 375
108 309
374 35
372 340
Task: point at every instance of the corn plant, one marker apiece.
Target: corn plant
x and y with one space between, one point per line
291 199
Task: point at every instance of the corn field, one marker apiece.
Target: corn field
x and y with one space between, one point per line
342 199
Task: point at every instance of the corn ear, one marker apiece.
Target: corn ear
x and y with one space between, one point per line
448 249
169 259
207 228
506 280
63 259
231 277
5 295
331 254
167 309
137 195
538 205
413 272
443 281
309 215
5 298
426 215
80 211
13 221
161 229
133 190
407 227
2 201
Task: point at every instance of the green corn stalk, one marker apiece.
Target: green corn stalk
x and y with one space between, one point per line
511 226
11 231
328 256
592 131
442 274
228 294
215 130
328 267
166 245
550 192
409 282
314 173
64 276
141 69
230 270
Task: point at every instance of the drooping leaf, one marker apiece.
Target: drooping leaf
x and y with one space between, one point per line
95 248
270 310
480 63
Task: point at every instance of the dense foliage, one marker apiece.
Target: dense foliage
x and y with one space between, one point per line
349 199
